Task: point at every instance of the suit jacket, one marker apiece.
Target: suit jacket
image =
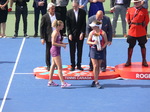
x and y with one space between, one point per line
21 3
35 3
45 27
106 26
126 3
145 5
76 28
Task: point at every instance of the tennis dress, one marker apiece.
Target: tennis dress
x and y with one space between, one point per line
94 53
55 50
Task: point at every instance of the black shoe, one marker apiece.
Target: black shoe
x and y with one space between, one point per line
128 63
48 68
35 35
103 69
98 86
144 63
93 84
72 69
80 68
15 35
90 69
25 35
64 34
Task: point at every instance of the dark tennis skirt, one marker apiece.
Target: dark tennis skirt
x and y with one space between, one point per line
96 54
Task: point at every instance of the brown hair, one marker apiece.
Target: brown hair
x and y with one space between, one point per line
97 22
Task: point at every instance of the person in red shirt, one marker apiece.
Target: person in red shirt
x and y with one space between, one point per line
137 18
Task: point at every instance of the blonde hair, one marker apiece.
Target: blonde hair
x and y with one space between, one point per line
57 23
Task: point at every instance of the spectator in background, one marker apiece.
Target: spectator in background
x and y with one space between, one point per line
83 4
46 30
119 7
95 5
145 4
107 27
39 5
21 9
76 26
61 7
3 17
137 17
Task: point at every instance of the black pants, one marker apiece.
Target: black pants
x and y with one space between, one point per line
36 17
141 41
21 10
62 11
104 62
76 44
48 56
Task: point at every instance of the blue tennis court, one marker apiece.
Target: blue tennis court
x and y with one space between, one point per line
20 91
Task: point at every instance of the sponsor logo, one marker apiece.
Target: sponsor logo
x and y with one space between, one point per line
142 76
78 78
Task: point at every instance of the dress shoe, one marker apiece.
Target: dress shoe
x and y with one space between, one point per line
72 69
79 68
48 68
64 34
127 64
90 69
15 35
103 69
35 35
144 63
25 35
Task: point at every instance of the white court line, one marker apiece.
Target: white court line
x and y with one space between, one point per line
12 75
24 73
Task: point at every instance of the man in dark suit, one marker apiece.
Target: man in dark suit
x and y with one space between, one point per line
76 26
106 26
61 7
21 9
119 7
39 5
46 30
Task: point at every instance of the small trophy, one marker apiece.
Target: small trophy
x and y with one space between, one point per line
97 38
